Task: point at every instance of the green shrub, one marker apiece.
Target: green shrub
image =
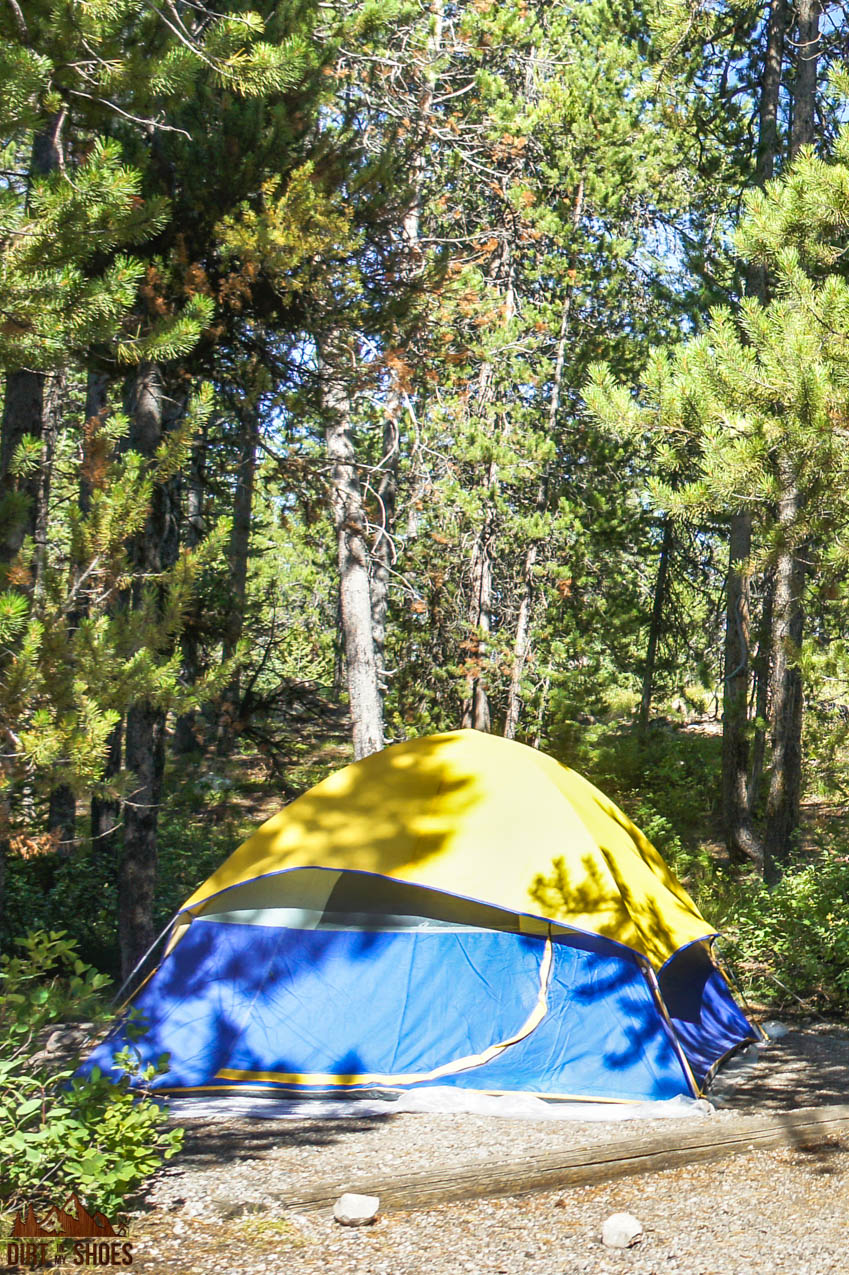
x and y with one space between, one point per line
791 943
59 1133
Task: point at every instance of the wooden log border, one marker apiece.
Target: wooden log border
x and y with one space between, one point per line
805 1128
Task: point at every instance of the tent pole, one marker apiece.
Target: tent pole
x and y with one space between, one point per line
140 962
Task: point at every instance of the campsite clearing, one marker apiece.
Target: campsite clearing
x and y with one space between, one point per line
769 1210
765 1212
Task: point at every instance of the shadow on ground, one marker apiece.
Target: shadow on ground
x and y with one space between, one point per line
807 1068
213 1143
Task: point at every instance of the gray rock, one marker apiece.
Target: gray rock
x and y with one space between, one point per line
621 1230
356 1210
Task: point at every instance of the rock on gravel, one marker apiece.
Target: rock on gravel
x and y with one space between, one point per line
621 1230
356 1210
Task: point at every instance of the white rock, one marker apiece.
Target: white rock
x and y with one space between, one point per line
775 1030
356 1210
621 1230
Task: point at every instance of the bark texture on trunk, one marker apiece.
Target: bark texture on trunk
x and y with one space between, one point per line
96 405
786 705
761 668
807 44
238 555
658 603
740 835
23 413
522 640
106 811
782 807
62 818
153 550
383 549
30 407
54 387
185 739
349 521
476 712
145 757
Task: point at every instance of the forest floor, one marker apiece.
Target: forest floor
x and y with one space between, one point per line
221 1203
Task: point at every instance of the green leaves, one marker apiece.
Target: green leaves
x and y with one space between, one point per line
57 1133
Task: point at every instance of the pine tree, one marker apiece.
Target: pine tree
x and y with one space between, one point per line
751 397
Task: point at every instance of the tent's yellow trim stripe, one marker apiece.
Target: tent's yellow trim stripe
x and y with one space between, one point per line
447 1069
243 1091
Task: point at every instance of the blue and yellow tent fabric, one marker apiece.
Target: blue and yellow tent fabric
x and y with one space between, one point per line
457 909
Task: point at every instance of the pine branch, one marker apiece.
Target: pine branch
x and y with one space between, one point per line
20 21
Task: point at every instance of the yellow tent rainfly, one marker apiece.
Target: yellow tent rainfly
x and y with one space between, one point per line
457 909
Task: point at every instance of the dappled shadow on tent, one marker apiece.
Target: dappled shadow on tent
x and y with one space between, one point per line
603 1035
388 811
598 891
202 999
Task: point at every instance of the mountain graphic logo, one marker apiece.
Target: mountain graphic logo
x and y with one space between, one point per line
72 1220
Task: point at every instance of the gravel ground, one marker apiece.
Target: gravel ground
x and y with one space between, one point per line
779 1211
785 1210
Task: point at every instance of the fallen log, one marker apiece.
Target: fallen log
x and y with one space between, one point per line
805 1128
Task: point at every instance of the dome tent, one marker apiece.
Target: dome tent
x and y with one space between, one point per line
387 930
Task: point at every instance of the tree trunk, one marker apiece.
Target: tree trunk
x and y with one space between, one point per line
807 41
145 757
62 818
522 641
53 391
740 836
185 739
106 811
31 399
349 521
655 626
782 810
96 398
152 551
761 669
238 556
476 715
383 548
23 414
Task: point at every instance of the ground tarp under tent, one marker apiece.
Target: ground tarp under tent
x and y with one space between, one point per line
402 925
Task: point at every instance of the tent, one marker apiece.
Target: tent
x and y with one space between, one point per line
459 910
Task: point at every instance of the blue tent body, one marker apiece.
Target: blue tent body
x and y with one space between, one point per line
287 974
273 1007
